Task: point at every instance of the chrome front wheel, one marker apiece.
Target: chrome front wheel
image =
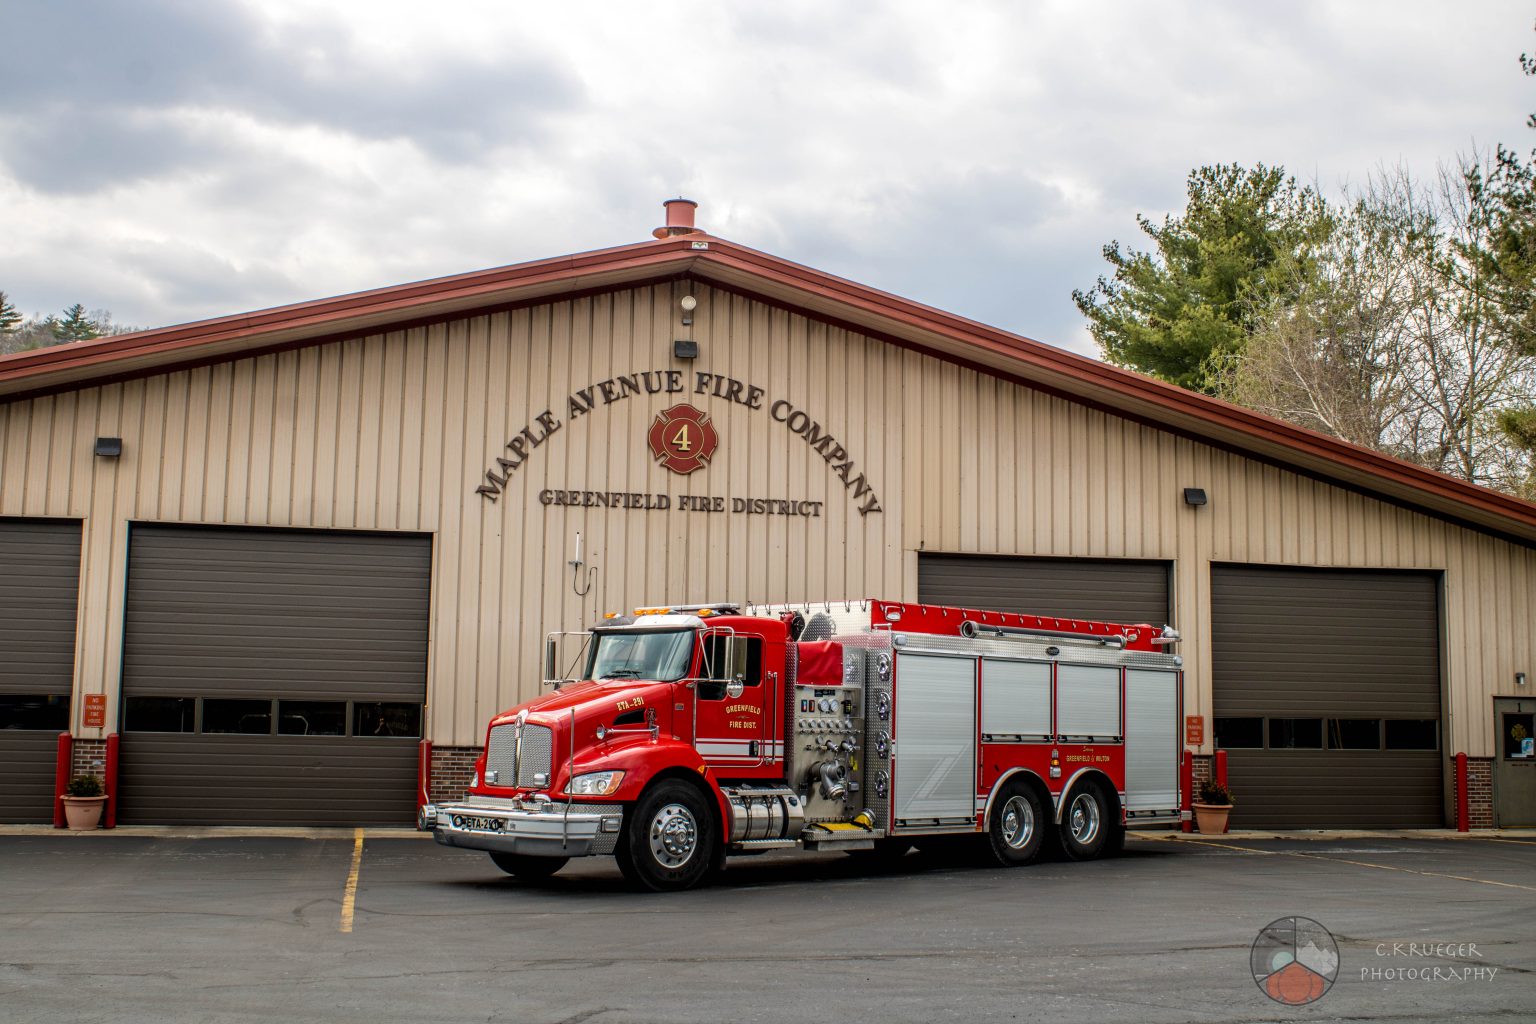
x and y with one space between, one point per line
674 836
670 840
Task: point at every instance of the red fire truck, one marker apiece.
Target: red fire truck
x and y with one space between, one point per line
704 731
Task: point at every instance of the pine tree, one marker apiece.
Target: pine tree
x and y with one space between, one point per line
76 325
10 319
1179 311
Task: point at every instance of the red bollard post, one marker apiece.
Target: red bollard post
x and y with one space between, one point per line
424 775
1221 777
1187 791
109 820
1463 815
61 769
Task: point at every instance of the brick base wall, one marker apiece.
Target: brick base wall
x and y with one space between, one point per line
451 771
1479 792
89 757
1205 768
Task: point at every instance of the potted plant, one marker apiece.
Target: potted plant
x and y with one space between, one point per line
83 800
1212 808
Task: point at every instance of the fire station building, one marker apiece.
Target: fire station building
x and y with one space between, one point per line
251 564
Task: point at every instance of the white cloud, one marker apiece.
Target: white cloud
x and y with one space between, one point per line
194 160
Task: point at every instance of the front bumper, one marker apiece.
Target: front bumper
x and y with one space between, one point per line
512 826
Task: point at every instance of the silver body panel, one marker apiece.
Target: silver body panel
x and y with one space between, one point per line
935 740
1152 741
1088 701
1015 700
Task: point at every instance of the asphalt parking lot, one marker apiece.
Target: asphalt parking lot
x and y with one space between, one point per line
259 928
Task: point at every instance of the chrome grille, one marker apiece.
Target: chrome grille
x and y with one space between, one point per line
538 742
503 767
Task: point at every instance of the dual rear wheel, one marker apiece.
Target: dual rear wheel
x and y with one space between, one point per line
1022 825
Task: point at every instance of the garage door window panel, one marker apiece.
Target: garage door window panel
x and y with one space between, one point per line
311 718
386 719
1412 734
1296 734
160 714
41 711
243 717
1354 734
1240 733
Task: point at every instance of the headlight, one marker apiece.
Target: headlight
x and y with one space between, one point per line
596 784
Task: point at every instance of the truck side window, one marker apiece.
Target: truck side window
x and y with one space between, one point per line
751 673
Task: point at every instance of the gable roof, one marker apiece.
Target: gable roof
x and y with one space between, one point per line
703 257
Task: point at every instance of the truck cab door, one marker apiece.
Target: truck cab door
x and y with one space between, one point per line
735 709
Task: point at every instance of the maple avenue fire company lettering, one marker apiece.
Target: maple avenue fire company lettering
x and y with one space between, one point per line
603 393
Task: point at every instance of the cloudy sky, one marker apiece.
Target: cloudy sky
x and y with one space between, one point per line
170 160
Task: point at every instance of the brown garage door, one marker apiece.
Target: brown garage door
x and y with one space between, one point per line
1327 696
1078 588
273 676
39 590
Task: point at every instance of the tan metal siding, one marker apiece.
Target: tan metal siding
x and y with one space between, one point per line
395 431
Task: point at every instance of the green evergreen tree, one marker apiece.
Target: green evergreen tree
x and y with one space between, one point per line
1180 310
10 319
76 325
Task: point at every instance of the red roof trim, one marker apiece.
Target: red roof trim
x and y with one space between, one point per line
674 255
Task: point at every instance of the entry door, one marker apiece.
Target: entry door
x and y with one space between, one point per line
1514 769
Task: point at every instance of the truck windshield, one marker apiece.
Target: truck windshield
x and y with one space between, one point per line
663 656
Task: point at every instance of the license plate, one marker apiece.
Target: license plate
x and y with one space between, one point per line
484 824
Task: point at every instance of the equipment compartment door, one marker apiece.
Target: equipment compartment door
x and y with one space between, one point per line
935 740
1151 740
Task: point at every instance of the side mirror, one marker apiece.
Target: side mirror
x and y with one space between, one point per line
735 659
551 662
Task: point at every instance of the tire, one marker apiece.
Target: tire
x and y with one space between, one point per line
524 866
669 842
1018 825
1086 823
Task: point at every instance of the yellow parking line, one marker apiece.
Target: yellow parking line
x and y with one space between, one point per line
349 896
1362 864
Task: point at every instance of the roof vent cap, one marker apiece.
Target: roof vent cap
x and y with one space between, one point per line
679 218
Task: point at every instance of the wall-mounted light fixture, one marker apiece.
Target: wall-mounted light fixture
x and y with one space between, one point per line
1519 678
689 304
109 447
1195 496
683 349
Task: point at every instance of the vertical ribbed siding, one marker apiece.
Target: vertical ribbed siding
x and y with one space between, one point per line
395 431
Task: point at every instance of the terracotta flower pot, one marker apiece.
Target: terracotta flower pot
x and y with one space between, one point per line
83 812
1212 818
